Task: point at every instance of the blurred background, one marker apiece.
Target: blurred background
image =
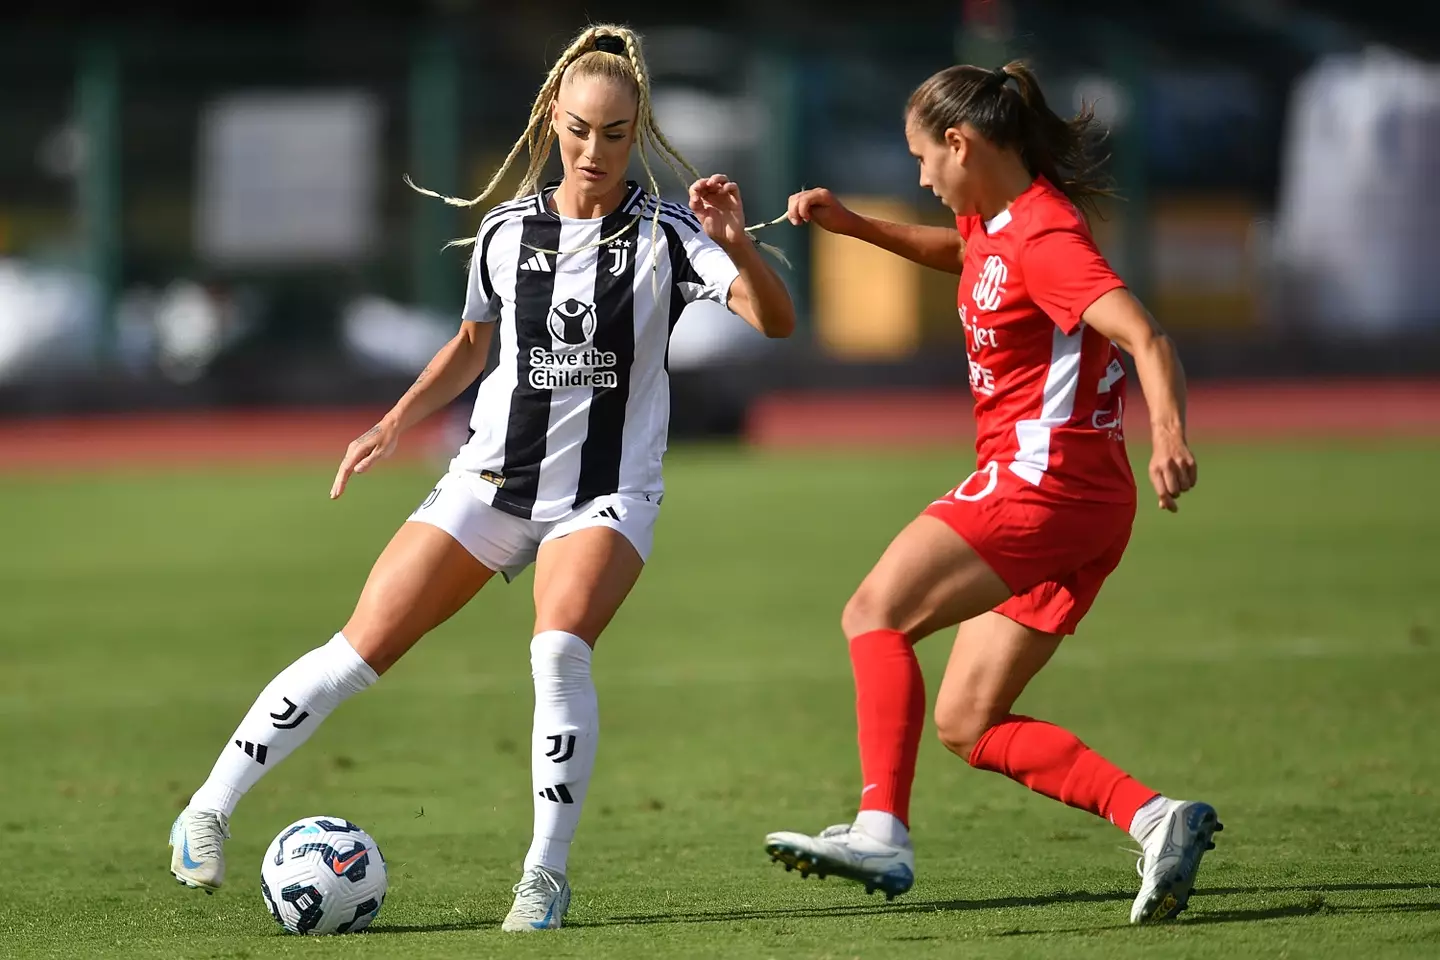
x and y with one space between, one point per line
208 257
203 212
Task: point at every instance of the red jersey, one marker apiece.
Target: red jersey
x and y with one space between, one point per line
1049 391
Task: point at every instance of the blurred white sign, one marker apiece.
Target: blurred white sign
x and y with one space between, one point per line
1358 233
286 177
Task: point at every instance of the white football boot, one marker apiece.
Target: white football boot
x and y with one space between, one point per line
197 857
541 899
846 851
1171 859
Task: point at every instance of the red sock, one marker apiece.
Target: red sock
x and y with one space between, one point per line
890 712
1053 762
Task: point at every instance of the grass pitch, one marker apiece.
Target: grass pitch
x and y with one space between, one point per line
1274 649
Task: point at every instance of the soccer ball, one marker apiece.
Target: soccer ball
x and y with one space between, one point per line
323 875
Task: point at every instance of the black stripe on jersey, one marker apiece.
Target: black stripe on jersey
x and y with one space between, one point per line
488 234
673 211
681 271
509 206
682 213
529 406
632 194
494 219
614 333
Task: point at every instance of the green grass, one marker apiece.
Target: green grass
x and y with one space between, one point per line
1274 649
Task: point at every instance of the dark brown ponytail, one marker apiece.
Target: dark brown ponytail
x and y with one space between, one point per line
1060 150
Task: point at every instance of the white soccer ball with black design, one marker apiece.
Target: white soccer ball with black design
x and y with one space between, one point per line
323 875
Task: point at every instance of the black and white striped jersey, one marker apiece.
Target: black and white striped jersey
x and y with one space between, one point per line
578 402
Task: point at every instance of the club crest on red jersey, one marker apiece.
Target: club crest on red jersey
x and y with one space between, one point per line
990 288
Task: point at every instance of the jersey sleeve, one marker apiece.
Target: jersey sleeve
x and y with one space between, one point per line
1064 273
482 303
707 271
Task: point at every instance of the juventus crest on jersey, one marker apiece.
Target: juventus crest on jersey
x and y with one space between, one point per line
578 403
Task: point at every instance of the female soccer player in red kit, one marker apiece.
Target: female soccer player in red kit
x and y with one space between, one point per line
1018 551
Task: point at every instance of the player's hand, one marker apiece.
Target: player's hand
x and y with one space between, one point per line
1172 469
715 200
369 448
821 207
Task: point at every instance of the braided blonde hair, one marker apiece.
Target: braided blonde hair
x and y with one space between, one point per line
581 59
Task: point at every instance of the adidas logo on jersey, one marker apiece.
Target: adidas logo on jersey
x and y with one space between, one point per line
539 263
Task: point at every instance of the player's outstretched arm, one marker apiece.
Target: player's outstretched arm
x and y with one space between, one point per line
1122 318
758 295
453 369
939 248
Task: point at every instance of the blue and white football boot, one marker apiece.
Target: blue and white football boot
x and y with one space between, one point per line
846 851
1171 859
197 856
541 899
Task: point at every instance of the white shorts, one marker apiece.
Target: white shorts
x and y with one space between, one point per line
508 544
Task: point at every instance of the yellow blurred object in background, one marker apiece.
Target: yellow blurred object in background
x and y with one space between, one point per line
866 301
1203 263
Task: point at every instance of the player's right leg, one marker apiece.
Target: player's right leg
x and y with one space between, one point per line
419 581
586 567
929 578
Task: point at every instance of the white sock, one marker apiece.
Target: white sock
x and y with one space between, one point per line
885 827
286 713
563 741
1148 817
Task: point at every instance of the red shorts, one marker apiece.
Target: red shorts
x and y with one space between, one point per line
1053 554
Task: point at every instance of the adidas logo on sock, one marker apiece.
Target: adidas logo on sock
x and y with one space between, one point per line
539 263
556 794
256 750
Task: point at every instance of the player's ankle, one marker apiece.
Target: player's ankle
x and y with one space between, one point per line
1149 818
883 826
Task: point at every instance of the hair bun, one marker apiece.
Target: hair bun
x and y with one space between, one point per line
609 43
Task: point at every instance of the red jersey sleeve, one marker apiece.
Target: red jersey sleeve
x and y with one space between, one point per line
1064 273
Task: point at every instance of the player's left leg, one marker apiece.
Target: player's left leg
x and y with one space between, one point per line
993 660
928 578
581 578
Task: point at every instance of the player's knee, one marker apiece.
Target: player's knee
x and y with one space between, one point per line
570 614
377 649
586 628
961 729
379 640
865 611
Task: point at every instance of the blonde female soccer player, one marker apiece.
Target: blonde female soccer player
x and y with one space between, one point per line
581 281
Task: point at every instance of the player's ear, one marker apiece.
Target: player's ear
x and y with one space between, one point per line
958 143
555 116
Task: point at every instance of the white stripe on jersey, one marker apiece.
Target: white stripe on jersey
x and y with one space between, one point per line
569 408
1057 404
578 404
